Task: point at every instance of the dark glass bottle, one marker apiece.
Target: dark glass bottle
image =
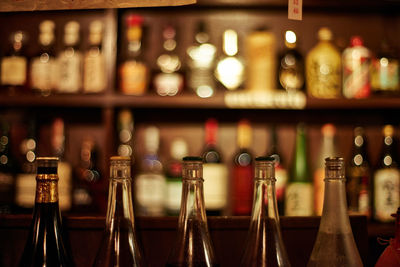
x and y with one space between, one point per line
242 173
45 245
264 245
193 245
119 246
358 174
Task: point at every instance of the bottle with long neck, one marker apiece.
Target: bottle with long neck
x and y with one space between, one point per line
45 245
264 245
358 174
335 245
299 192
386 196
119 246
242 173
193 245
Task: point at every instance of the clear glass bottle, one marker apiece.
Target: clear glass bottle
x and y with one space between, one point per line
119 246
264 244
335 245
45 245
193 245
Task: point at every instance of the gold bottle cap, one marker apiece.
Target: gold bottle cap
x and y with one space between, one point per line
388 130
117 158
325 34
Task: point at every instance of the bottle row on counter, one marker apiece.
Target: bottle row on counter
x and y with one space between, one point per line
371 190
325 72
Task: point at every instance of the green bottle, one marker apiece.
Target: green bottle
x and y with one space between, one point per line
299 192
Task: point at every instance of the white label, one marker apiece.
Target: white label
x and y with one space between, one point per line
94 75
386 193
13 70
42 74
25 190
299 199
295 10
174 195
150 194
215 185
69 67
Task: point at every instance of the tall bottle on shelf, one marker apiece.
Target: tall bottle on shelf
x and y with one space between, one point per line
178 151
119 245
45 245
150 183
230 70
70 60
215 172
94 68
323 67
358 174
201 60
386 180
291 65
133 71
169 80
264 244
193 246
335 245
43 64
242 171
327 149
299 191
14 64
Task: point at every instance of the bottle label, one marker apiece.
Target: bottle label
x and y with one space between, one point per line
70 67
215 186
94 75
25 190
174 195
42 74
299 201
13 70
150 194
46 188
133 78
386 196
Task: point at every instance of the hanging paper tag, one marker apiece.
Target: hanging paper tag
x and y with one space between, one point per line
295 10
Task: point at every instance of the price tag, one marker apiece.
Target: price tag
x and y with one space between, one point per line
295 10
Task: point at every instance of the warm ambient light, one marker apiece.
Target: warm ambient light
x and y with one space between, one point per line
31 5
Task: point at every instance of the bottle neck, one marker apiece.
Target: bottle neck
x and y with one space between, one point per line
300 171
46 186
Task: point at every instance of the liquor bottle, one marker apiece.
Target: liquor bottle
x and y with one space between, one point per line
242 172
327 149
281 172
133 71
358 174
125 133
385 71
64 167
386 195
119 245
335 245
14 65
230 70
200 62
260 60
150 184
299 191
25 185
94 71
178 151
193 245
45 245
70 60
323 67
215 172
168 81
391 255
264 244
291 65
356 70
7 169
87 175
43 64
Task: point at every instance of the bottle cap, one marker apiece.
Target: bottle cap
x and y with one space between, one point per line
328 129
134 20
356 41
388 130
325 34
